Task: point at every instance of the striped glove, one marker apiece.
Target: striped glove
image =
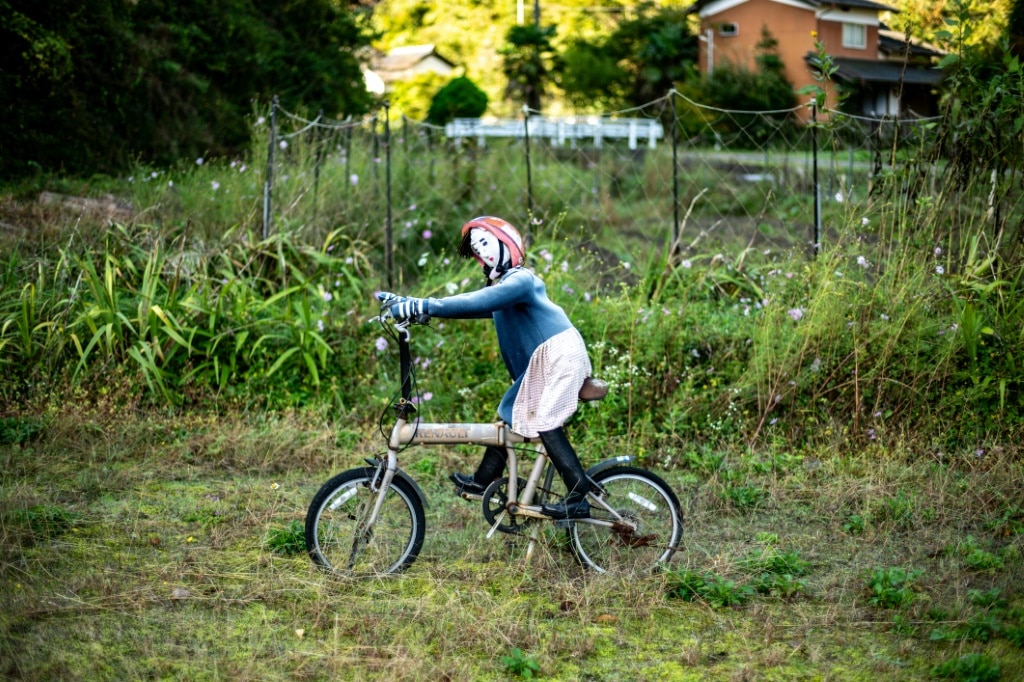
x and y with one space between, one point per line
405 308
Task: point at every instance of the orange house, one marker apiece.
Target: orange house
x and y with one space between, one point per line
883 72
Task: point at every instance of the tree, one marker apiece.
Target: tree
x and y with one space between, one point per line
530 63
1015 28
91 85
593 78
460 98
640 61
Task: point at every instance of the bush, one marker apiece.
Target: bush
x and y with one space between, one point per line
461 98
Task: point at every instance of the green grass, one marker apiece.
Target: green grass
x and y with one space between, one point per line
843 430
168 564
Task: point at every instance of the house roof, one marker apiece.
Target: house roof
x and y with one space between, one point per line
860 4
404 58
871 71
841 4
897 44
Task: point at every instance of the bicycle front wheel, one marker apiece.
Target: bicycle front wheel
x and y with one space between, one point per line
340 541
643 533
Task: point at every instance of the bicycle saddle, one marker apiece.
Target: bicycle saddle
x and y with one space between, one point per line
593 389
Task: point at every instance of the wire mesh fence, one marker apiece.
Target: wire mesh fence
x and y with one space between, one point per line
756 177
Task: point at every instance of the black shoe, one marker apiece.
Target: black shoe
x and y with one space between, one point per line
572 507
466 484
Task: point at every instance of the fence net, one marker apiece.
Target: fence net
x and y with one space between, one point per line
760 178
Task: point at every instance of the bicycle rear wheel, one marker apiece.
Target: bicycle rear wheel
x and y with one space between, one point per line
650 529
337 538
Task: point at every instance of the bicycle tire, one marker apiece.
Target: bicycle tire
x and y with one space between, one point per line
334 542
644 499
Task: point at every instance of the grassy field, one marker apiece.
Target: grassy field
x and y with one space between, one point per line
842 423
161 546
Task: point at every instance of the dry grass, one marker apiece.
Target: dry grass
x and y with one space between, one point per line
161 569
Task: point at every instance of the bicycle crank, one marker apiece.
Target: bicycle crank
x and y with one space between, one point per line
495 503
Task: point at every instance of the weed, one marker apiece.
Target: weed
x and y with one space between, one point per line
903 626
988 599
783 585
981 560
521 664
289 541
770 560
46 522
975 557
892 587
744 497
17 430
685 584
855 524
718 592
982 627
968 668
1015 635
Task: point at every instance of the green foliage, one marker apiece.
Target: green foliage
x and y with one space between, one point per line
18 430
92 86
641 60
968 668
288 541
412 97
460 98
855 524
717 591
46 522
593 79
892 587
530 63
521 664
744 497
983 86
975 557
742 90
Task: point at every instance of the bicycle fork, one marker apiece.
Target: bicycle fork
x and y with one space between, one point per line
380 484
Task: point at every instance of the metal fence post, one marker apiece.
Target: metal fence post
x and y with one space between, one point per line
318 156
389 258
817 188
529 177
268 183
675 179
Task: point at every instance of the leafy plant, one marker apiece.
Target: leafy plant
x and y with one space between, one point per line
892 587
288 541
969 668
46 522
744 497
855 524
16 430
771 560
717 591
521 664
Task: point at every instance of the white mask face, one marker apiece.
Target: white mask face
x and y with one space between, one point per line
487 247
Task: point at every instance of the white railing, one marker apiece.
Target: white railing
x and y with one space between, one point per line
558 130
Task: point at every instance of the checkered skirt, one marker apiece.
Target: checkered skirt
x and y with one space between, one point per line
549 394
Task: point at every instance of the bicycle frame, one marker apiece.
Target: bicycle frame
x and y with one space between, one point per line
624 501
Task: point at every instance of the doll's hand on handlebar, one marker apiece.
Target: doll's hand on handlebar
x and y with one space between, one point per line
409 309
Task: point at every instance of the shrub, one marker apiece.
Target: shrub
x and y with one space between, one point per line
460 98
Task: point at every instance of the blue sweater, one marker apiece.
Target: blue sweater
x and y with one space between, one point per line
524 318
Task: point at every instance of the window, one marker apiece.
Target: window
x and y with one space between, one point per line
855 36
728 29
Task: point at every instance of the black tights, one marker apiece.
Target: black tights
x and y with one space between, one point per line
560 452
